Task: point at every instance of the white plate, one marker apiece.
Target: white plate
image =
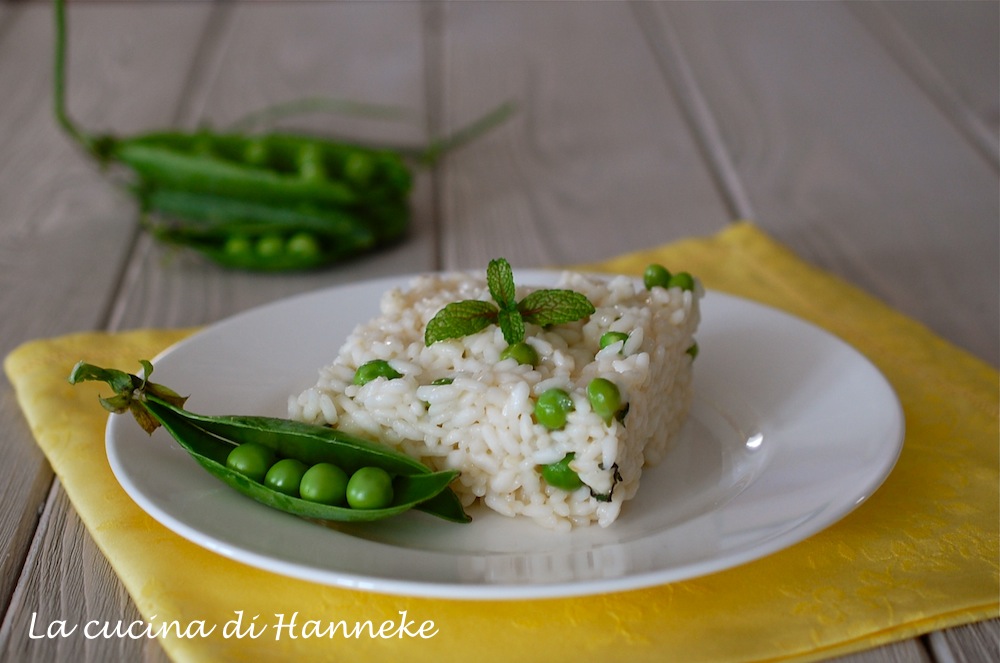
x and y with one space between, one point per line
791 430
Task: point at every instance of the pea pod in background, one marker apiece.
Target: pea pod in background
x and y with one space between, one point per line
263 202
210 440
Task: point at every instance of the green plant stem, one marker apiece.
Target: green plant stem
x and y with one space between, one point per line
59 92
270 114
438 148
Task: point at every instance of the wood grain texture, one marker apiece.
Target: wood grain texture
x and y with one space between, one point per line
63 233
567 180
951 51
843 129
69 580
967 644
892 202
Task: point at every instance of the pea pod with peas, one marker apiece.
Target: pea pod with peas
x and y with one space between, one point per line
315 472
263 202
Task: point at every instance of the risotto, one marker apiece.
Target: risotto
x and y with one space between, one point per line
457 404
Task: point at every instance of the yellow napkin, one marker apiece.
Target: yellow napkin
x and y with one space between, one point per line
921 554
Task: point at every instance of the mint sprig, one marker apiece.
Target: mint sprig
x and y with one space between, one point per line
545 307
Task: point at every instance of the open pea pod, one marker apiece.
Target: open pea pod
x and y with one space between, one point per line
294 439
217 435
409 491
209 441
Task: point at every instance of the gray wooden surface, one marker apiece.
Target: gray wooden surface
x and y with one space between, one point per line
862 135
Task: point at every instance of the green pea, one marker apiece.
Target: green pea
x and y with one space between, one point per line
552 407
358 167
612 337
202 145
561 475
376 368
324 483
693 350
252 460
285 476
522 353
655 275
310 162
269 246
605 399
303 245
238 245
681 280
255 153
369 488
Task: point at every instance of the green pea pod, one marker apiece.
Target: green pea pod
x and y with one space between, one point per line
340 173
228 176
228 231
160 166
210 439
409 491
309 443
373 172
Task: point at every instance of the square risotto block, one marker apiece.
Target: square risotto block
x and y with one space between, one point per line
481 420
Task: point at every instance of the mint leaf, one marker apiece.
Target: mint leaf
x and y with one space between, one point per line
542 307
512 325
500 279
460 319
554 307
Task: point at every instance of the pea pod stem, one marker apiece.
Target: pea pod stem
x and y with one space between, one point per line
269 114
431 154
209 439
59 96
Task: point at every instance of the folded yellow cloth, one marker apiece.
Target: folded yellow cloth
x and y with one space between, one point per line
921 554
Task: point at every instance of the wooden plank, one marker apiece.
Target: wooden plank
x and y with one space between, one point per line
908 651
598 161
952 51
833 168
967 644
53 201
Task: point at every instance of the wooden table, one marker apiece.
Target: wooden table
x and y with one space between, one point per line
862 135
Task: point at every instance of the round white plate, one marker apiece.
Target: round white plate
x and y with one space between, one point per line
791 430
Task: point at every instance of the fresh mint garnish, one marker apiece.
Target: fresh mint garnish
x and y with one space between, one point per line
553 307
500 280
460 319
542 307
511 324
